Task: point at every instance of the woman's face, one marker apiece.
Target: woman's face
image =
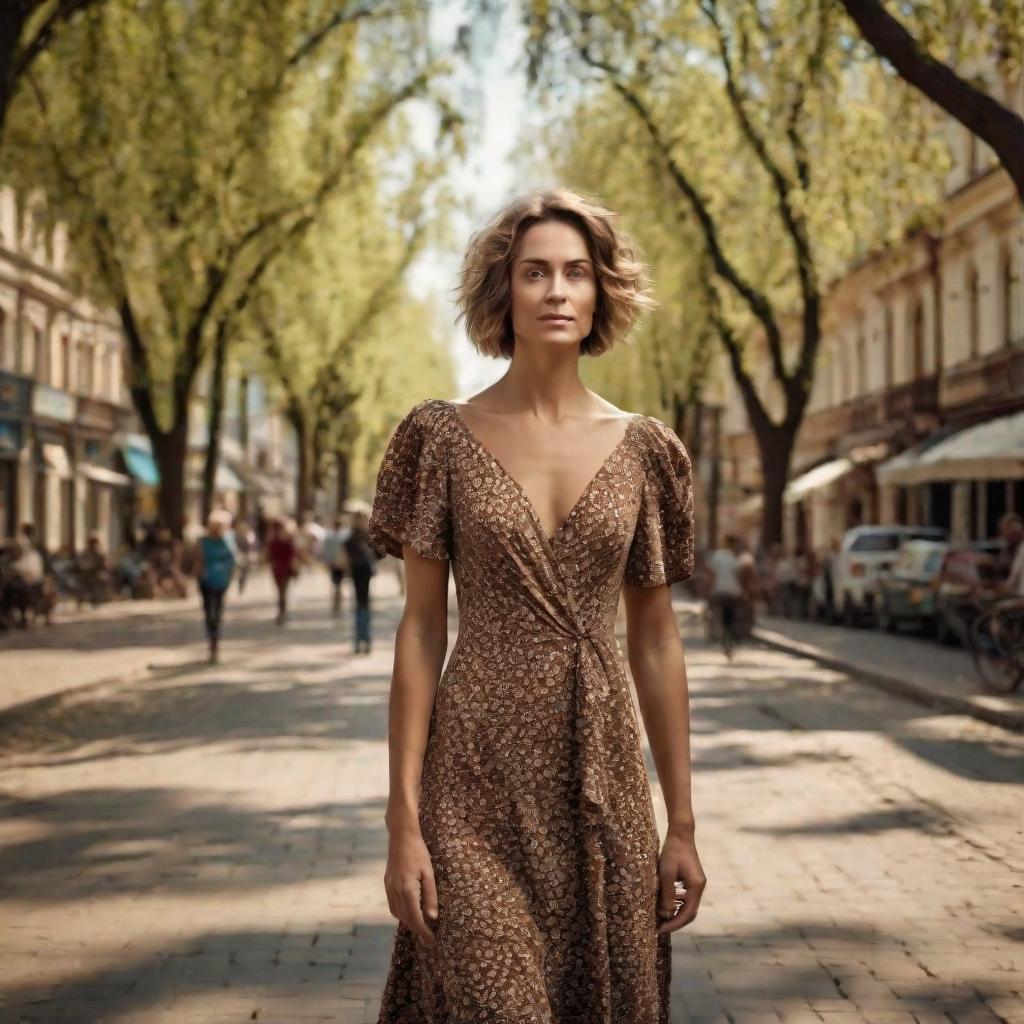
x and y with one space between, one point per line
554 286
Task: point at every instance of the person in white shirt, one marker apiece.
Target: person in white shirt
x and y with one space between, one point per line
332 554
27 566
726 589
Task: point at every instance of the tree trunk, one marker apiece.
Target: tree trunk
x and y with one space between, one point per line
243 440
776 448
214 420
304 443
316 471
341 480
715 478
12 23
169 451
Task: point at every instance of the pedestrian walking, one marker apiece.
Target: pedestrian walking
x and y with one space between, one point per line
283 559
332 554
214 563
361 563
309 538
726 590
523 861
245 545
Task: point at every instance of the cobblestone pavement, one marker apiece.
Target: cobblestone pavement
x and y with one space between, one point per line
209 847
944 676
124 638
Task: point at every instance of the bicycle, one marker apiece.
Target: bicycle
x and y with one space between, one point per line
997 645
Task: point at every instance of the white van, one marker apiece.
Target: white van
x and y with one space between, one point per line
867 553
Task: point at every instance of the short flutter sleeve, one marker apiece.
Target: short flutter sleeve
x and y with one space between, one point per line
662 546
410 504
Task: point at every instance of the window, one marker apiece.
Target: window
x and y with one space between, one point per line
973 312
888 349
39 355
85 368
65 362
1010 298
915 341
973 155
876 542
860 354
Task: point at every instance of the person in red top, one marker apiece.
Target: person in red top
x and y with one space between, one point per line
283 559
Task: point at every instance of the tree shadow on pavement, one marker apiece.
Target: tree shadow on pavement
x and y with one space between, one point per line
314 974
92 844
223 708
766 690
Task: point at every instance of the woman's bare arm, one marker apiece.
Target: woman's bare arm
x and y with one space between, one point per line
421 642
656 661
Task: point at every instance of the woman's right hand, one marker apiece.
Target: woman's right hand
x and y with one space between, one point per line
409 883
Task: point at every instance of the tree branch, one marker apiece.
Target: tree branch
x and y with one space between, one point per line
756 301
978 112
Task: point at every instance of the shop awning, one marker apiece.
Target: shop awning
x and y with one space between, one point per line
141 465
226 479
993 450
102 475
820 476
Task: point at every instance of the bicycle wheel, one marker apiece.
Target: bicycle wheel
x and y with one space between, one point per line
996 642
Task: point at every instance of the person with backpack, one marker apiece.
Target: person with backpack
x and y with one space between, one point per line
361 561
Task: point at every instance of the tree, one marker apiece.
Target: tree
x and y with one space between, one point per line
979 112
27 28
778 147
336 320
182 150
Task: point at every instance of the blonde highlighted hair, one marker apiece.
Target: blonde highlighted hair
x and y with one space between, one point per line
484 294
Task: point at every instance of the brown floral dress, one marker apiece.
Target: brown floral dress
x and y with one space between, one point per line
535 804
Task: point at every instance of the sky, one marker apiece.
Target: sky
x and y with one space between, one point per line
487 177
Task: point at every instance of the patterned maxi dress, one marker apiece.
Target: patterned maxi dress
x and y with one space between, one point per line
534 803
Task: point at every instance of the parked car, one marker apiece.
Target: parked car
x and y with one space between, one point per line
968 574
866 554
907 594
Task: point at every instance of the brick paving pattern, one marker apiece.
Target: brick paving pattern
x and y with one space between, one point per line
209 847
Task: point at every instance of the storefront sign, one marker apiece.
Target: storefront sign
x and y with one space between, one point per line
15 395
97 415
53 404
10 440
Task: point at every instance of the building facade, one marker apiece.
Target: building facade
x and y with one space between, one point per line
62 403
920 344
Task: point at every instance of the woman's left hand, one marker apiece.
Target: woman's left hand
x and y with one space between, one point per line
679 863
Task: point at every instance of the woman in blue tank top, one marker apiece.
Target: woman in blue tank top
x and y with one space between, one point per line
216 558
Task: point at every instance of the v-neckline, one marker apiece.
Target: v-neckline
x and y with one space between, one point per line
549 540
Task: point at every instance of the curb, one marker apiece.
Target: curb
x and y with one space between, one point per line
975 707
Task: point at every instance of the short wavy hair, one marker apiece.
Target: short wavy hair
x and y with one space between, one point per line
484 292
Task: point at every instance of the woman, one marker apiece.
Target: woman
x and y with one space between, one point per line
361 565
523 858
214 564
283 559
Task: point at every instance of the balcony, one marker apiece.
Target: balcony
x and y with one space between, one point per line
991 382
904 401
